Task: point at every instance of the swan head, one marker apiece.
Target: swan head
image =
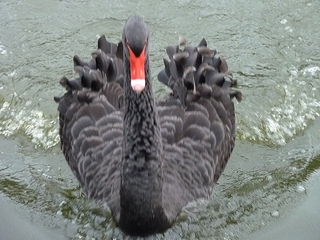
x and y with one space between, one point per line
135 41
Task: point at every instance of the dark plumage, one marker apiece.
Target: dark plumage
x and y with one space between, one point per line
147 160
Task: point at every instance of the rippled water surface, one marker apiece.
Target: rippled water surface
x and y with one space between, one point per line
273 50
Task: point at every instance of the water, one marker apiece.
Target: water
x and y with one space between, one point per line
273 50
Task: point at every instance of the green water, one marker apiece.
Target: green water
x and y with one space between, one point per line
269 189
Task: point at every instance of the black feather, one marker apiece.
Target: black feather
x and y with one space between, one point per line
145 159
106 46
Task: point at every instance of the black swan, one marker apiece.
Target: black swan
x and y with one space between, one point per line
145 159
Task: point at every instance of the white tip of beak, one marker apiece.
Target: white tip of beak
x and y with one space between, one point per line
138 85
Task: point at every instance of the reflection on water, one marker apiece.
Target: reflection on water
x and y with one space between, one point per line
273 51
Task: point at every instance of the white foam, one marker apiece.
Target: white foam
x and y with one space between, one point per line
284 21
289 29
300 189
275 213
310 70
42 130
298 105
11 74
3 50
269 178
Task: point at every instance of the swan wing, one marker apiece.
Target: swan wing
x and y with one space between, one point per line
197 124
91 124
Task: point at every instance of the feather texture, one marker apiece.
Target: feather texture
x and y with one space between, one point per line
196 125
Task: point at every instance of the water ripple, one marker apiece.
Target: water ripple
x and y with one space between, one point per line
299 104
42 129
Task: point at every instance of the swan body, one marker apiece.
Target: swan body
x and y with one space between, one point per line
147 159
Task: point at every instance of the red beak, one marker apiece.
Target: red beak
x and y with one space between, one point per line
138 81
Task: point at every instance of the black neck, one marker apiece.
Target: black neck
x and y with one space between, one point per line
141 179
142 140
